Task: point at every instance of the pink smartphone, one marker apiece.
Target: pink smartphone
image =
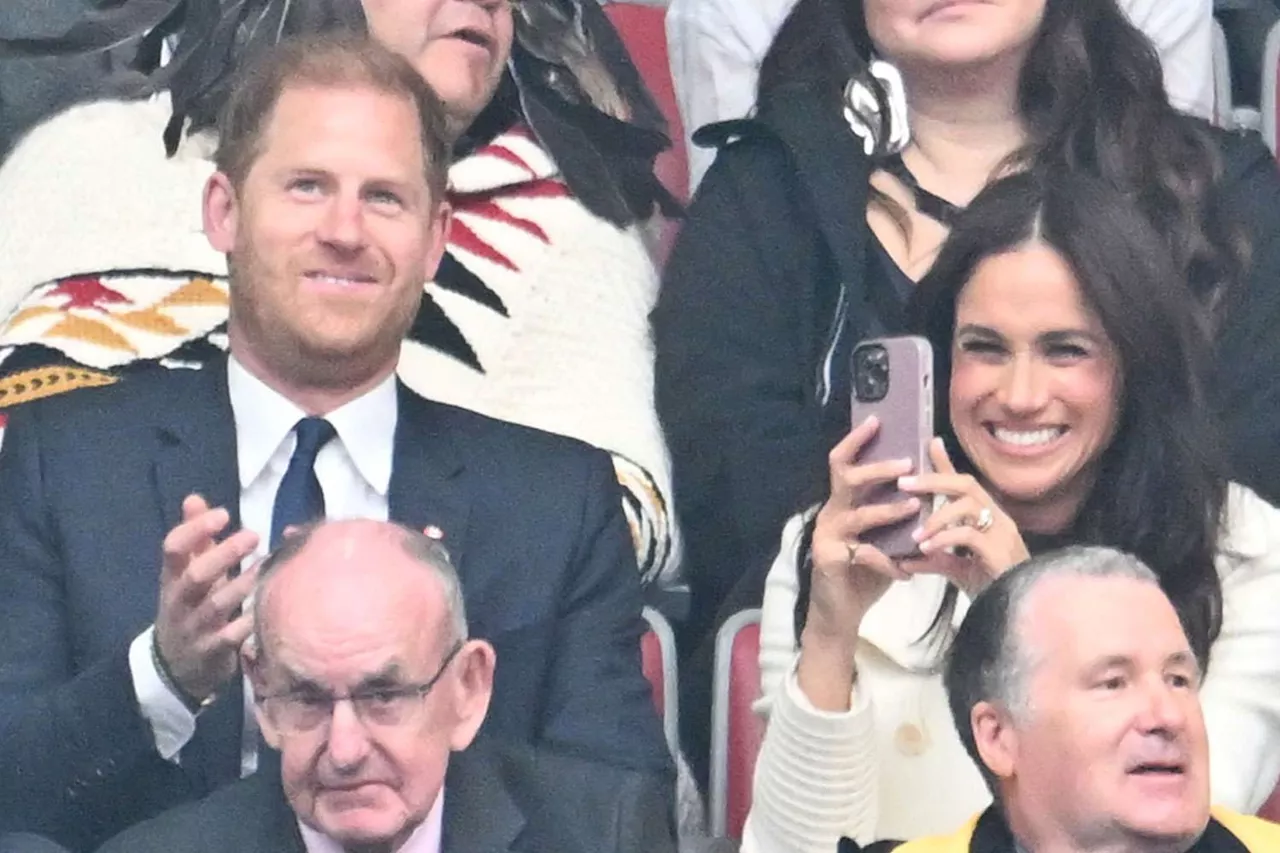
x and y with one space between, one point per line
893 380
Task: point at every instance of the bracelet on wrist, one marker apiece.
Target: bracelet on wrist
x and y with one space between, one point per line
192 704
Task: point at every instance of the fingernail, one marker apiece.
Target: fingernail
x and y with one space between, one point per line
917 534
906 482
913 504
926 546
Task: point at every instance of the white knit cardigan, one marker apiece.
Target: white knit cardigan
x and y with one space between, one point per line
893 767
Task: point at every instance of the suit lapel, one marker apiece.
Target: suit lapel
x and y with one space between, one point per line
282 827
427 487
196 452
479 814
196 445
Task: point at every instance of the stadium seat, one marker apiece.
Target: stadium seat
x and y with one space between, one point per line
658 657
736 730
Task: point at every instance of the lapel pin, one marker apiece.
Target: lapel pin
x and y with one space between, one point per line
433 532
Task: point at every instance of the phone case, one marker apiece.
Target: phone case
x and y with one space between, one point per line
905 413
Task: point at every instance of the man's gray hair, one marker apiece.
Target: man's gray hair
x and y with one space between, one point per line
987 662
423 549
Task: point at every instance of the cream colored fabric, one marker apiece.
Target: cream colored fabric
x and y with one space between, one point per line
893 767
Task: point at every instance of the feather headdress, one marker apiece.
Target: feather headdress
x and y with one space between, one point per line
569 77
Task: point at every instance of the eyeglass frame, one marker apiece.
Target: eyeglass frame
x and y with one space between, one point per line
405 691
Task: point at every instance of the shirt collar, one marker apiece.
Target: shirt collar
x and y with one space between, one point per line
427 838
367 428
264 418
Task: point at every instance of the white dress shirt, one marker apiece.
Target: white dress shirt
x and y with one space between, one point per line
354 471
427 838
716 47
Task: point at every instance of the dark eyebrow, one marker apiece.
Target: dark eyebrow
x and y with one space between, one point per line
390 675
1066 336
979 331
297 683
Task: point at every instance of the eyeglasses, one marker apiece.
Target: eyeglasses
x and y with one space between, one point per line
298 711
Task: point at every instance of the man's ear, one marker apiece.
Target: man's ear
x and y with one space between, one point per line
996 738
472 688
221 210
252 663
437 240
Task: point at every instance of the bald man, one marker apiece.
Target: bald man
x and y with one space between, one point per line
367 683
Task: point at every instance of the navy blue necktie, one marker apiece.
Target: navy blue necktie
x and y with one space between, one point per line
299 499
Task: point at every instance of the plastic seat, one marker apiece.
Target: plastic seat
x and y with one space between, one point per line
658 658
736 730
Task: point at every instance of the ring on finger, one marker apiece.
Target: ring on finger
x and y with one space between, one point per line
984 521
853 552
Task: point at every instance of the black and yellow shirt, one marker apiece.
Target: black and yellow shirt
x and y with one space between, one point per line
1227 832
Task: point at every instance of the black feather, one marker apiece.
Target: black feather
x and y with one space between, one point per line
607 160
456 278
220 37
433 328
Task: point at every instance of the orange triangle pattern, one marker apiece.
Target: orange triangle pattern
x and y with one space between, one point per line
92 331
198 291
30 314
152 321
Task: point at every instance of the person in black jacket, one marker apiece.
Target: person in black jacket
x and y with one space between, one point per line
876 124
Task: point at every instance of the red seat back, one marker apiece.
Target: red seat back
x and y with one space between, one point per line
651 660
736 730
658 659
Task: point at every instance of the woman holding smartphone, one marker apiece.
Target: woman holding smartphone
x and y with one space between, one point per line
1071 407
877 121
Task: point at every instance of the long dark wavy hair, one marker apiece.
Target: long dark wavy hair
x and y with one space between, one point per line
1092 98
1161 487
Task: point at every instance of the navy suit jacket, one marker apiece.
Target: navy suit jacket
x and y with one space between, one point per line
497 799
91 482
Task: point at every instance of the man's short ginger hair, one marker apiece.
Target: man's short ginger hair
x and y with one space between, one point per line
334 60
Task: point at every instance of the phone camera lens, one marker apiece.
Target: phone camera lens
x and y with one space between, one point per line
870 373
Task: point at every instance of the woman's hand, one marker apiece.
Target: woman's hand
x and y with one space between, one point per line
969 539
848 575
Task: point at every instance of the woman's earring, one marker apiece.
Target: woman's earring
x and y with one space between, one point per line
862 109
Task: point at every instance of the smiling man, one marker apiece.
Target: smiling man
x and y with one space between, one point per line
1073 688
132 514
538 310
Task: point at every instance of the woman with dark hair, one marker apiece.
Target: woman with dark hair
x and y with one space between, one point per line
1071 399
877 122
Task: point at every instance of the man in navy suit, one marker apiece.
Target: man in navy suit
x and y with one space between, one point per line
131 516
